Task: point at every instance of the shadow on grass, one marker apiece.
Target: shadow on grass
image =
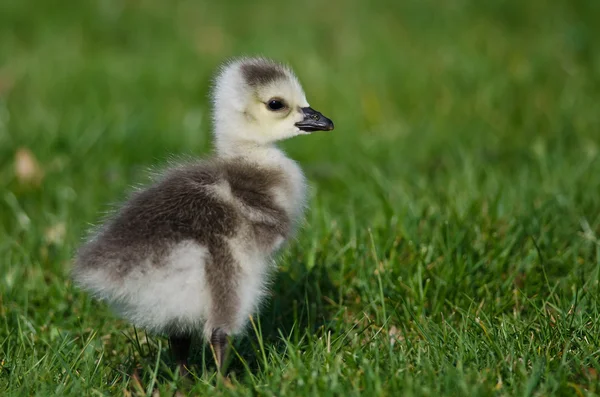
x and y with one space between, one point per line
297 306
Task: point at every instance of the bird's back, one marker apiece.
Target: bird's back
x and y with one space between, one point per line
204 202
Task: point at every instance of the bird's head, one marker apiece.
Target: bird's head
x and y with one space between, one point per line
258 101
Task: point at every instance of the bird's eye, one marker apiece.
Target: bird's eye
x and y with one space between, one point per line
276 104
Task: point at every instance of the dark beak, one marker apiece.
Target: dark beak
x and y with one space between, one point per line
314 121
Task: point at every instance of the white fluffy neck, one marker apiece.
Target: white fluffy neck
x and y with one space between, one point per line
267 154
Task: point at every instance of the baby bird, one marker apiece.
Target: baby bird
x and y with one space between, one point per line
192 252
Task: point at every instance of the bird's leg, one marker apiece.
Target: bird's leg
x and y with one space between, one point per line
180 347
218 340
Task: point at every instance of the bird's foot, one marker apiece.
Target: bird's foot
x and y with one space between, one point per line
180 347
218 341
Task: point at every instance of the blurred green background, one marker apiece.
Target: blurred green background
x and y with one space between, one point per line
452 243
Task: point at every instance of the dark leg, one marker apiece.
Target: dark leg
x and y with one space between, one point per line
180 347
218 340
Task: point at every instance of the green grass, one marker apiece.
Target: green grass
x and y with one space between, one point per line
452 245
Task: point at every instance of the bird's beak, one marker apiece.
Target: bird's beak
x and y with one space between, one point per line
314 121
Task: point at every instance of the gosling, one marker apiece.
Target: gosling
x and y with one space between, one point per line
192 252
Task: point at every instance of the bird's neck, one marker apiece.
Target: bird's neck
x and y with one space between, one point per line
263 154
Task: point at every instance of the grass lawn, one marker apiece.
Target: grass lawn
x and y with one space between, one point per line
452 246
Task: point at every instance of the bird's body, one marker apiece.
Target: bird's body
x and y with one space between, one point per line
193 251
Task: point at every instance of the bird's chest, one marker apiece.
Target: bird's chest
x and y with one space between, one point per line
291 193
269 200
286 203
